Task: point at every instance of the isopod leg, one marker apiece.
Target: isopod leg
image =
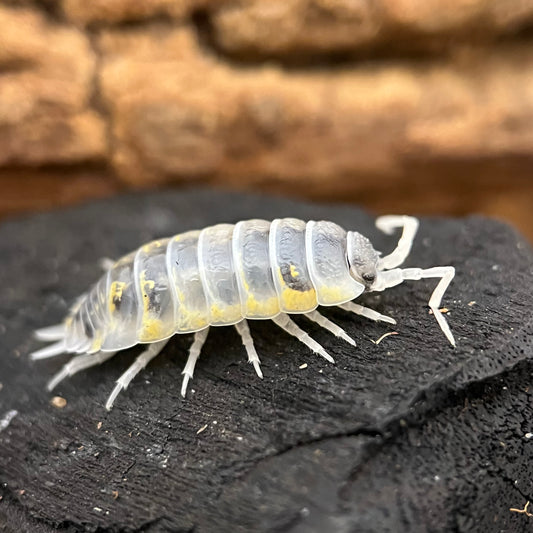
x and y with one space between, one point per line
142 360
394 277
78 363
49 351
194 353
324 322
285 323
446 274
366 312
248 343
388 224
51 333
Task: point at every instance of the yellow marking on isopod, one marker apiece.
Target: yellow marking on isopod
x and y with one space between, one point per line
268 307
332 295
225 313
187 319
258 308
181 296
294 272
115 295
245 283
297 300
151 326
151 245
97 342
190 320
152 329
293 300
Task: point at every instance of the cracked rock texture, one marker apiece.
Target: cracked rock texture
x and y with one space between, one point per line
395 103
408 435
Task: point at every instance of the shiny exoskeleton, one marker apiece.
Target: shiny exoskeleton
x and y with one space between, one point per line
224 275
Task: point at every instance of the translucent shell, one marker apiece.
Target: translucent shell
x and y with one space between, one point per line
289 265
327 263
190 306
155 320
215 277
215 264
258 295
97 313
225 274
122 305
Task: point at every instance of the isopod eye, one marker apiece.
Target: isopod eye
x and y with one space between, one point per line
369 277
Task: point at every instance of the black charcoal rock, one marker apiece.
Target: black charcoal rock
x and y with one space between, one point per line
408 435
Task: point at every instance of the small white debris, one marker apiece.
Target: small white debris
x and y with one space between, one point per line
473 302
6 420
443 310
59 402
97 509
528 435
302 367
203 428
522 511
385 335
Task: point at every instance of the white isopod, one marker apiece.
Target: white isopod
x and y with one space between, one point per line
224 275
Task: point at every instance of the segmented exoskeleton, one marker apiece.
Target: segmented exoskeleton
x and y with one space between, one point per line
225 275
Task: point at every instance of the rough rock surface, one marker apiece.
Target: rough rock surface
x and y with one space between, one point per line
394 103
46 83
406 435
178 112
303 27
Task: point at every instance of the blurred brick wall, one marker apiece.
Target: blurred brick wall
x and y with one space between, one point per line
401 105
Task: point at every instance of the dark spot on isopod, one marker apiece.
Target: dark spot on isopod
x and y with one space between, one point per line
117 301
154 300
88 328
296 283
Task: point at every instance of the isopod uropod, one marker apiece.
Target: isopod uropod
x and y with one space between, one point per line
225 275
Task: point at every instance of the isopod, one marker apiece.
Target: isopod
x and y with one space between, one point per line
225 275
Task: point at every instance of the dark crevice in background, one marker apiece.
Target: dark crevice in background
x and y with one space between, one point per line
400 45
161 20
